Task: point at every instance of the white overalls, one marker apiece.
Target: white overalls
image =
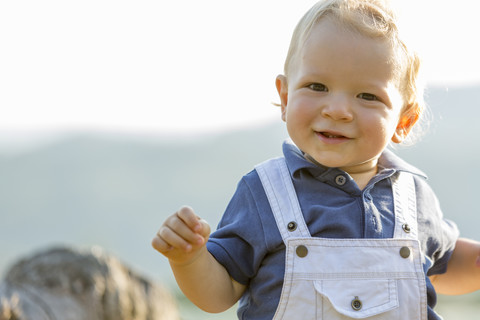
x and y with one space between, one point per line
347 278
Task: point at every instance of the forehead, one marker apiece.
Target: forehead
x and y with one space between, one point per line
329 41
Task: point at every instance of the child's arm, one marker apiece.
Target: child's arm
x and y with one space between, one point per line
463 271
182 239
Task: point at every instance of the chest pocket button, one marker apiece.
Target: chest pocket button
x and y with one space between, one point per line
301 251
405 252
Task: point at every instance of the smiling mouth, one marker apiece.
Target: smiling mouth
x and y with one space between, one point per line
331 135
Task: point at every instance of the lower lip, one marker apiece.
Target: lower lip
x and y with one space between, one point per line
327 140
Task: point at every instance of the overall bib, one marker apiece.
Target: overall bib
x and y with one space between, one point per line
347 278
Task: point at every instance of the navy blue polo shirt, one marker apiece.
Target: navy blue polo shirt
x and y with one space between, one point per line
248 243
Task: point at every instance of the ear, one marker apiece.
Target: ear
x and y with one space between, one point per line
282 88
405 123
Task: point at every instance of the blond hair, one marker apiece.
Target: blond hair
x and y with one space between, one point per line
374 19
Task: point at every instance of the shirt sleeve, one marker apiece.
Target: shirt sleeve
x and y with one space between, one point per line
437 234
239 242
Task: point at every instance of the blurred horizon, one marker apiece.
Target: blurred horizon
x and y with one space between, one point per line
19 141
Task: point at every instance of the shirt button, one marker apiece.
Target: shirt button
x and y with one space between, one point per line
340 180
406 228
302 251
405 252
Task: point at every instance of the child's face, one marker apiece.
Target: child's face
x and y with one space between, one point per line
340 101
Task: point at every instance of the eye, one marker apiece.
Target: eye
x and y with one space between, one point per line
317 87
368 96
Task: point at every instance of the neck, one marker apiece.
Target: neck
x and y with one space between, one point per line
361 173
362 178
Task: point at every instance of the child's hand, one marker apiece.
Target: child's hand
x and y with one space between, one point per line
181 236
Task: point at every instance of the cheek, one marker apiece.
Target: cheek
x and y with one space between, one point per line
379 128
297 117
298 121
301 109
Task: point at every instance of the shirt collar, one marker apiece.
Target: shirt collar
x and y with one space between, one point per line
390 160
296 161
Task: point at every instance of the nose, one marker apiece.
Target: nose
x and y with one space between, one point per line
338 108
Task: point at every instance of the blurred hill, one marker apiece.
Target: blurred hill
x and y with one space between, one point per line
115 191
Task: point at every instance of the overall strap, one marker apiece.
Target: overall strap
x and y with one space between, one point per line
282 197
405 204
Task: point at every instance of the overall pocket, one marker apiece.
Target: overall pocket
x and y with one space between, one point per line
357 299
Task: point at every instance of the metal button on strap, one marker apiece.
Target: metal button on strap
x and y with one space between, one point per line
292 226
302 251
405 252
356 304
340 180
406 228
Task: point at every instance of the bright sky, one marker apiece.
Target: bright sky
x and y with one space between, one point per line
180 66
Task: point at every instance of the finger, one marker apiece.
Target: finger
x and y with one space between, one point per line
160 245
171 238
188 216
181 229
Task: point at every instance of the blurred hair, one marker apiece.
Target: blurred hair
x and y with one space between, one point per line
374 19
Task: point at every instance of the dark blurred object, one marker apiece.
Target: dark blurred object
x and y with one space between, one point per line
67 284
